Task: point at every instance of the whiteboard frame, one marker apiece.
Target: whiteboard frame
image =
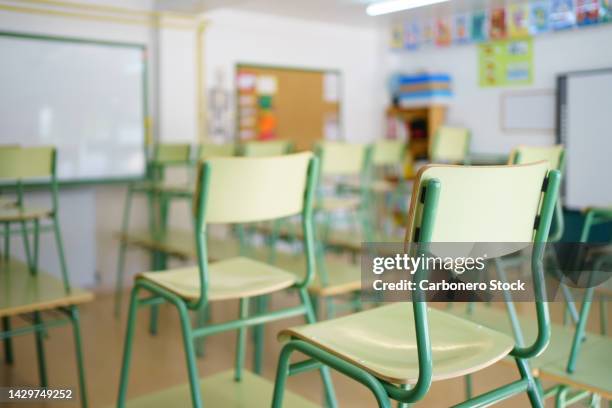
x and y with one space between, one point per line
531 92
561 132
145 96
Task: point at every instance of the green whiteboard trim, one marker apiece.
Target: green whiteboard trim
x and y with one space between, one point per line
145 97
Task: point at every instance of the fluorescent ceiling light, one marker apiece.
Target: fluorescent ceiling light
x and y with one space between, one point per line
392 6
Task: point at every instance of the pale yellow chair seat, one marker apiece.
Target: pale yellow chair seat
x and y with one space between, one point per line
23 214
163 187
382 341
23 292
331 204
233 278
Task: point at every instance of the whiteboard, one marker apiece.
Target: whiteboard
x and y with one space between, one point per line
528 111
85 98
587 134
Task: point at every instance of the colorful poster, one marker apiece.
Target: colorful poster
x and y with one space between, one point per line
497 24
461 29
538 17
411 36
587 12
518 17
562 14
428 32
397 36
443 32
479 26
506 63
605 11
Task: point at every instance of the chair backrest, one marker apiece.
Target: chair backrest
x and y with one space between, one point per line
388 152
553 155
343 159
23 163
480 203
210 150
245 189
266 148
171 153
450 145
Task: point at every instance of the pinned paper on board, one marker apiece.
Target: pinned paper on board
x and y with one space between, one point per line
331 88
538 17
443 32
461 28
587 12
411 36
246 81
267 85
497 27
518 18
479 26
331 127
506 63
562 14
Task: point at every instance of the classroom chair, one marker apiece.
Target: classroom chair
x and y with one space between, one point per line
28 291
232 191
262 148
206 150
161 158
409 345
451 145
587 366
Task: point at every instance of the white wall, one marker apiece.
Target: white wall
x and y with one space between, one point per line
245 37
479 108
91 216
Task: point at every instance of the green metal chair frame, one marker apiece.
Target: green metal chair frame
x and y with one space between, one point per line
430 193
161 157
223 183
37 165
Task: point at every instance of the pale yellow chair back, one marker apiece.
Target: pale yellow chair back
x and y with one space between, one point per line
210 150
553 155
245 189
481 203
388 152
342 159
22 163
266 148
450 145
171 153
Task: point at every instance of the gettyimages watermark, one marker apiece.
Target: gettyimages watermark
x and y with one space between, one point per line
483 272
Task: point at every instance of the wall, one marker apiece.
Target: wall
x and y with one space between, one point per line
91 216
479 108
244 37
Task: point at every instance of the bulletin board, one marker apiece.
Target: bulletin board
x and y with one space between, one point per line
300 105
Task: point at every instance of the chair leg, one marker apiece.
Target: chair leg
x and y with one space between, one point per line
7 240
241 340
535 398
40 351
127 350
603 315
468 386
26 245
122 248
282 372
8 342
330 394
202 319
60 253
190 356
119 279
258 335
78 347
561 397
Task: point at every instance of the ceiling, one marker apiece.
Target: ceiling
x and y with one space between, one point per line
350 12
